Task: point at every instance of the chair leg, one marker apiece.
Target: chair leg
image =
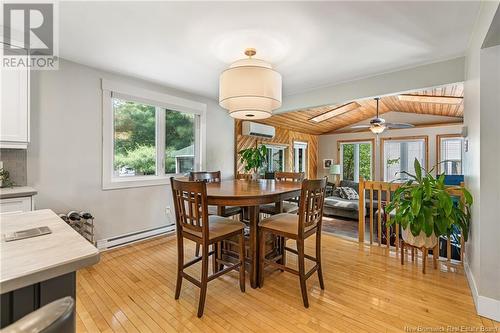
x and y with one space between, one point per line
413 254
283 254
262 256
197 250
204 280
318 260
424 258
242 261
302 273
403 252
435 255
215 248
180 264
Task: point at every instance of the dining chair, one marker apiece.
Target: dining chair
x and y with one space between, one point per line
297 227
290 206
214 177
194 223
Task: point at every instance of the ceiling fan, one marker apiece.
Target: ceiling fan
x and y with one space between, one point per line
378 125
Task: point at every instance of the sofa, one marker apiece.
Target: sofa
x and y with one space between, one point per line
336 206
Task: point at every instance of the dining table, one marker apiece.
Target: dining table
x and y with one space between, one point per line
251 194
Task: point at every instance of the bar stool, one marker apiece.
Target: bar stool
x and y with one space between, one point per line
297 227
194 223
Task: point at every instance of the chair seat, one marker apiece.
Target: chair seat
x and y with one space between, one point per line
218 226
284 222
228 210
288 207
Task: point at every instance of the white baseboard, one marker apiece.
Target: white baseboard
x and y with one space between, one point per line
113 242
485 306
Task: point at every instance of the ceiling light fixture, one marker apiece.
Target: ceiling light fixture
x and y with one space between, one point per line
431 99
250 88
335 112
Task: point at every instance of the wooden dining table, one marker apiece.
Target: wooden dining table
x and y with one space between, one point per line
252 194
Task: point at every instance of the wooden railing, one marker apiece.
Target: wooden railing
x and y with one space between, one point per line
380 193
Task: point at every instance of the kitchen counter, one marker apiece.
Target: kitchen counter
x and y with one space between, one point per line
16 192
32 260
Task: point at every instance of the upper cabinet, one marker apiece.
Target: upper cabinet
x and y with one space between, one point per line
15 105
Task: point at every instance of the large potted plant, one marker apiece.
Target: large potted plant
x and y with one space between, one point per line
425 209
253 159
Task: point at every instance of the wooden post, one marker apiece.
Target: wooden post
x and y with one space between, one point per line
361 222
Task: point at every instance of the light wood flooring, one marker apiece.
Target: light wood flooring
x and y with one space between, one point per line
132 290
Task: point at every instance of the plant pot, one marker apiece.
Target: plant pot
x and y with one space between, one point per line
422 240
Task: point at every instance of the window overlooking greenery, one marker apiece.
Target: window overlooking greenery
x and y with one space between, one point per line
134 138
136 129
179 142
275 160
356 160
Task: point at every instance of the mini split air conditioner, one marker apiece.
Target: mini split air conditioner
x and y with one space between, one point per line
256 129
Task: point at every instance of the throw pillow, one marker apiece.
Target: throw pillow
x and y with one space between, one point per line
348 193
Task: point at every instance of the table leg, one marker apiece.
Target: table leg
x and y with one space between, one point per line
253 213
278 207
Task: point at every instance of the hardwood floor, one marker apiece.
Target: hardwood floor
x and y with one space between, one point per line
132 290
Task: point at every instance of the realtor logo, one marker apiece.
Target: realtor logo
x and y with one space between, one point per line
28 32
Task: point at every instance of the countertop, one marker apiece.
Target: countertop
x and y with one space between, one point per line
32 260
16 191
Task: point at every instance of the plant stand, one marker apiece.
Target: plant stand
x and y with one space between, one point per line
425 252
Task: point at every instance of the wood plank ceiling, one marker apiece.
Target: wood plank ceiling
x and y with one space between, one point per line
301 120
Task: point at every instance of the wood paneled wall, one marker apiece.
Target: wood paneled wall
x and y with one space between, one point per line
283 137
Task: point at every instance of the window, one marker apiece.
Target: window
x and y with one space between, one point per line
450 155
180 140
356 160
300 156
275 160
134 149
399 155
147 138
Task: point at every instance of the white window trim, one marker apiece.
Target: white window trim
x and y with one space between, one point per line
158 99
356 158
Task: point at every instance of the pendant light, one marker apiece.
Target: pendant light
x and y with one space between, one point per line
250 88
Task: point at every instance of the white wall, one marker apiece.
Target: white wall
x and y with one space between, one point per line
328 143
64 157
482 253
490 177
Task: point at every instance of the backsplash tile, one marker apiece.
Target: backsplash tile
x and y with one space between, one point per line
15 162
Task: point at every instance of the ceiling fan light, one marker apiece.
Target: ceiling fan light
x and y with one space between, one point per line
250 89
377 129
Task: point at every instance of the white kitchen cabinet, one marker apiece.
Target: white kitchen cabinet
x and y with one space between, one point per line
16 205
15 106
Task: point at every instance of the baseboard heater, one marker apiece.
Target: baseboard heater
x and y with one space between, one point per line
109 243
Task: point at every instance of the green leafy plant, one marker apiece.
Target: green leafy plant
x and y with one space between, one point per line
423 203
142 159
253 158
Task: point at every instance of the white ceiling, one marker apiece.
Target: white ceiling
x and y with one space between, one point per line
410 118
187 45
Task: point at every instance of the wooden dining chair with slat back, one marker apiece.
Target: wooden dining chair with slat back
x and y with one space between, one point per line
194 223
214 177
298 227
287 206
